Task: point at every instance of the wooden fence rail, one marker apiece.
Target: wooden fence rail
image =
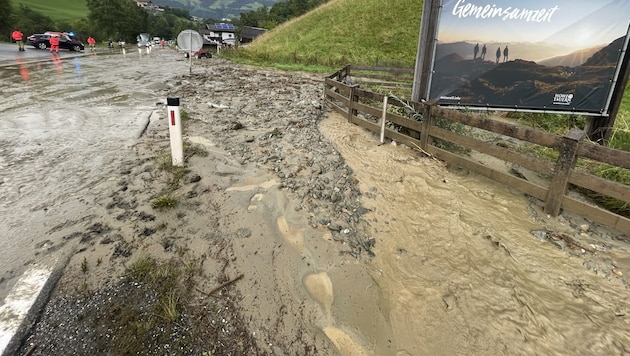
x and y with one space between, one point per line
375 112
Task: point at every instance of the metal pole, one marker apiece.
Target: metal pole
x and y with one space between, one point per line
426 47
190 55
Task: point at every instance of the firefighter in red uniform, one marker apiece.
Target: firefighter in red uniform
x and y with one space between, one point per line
54 44
91 41
17 37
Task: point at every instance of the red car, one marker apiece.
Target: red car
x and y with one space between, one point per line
198 54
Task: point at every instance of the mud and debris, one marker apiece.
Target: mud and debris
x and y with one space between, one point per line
292 232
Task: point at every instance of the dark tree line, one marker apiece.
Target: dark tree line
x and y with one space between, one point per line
280 12
122 19
22 17
107 19
117 19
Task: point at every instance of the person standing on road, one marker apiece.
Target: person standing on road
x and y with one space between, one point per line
91 41
17 36
54 44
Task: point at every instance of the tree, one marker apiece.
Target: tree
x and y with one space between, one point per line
280 12
6 23
30 21
158 26
117 19
255 18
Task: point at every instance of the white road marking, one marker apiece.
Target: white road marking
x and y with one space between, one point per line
19 301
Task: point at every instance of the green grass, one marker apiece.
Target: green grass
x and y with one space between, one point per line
620 138
58 10
375 32
164 202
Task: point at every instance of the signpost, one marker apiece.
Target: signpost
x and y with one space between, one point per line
190 41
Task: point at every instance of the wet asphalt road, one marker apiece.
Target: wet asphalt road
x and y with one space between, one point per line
9 53
66 121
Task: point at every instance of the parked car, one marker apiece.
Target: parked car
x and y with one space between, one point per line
143 39
42 41
198 54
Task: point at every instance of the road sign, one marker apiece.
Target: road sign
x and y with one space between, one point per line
189 40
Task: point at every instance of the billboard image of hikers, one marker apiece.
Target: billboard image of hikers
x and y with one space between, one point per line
537 55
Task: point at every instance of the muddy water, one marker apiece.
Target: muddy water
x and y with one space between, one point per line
459 270
65 125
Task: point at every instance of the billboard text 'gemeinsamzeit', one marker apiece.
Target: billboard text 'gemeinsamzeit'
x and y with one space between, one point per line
537 55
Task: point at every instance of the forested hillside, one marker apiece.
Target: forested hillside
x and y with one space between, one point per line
216 9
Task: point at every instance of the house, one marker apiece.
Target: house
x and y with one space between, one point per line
207 37
149 6
221 32
248 33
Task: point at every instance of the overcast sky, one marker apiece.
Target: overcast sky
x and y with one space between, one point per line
571 23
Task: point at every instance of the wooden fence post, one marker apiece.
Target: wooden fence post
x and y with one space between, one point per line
427 122
353 99
566 161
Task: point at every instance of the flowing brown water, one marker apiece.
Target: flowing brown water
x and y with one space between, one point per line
459 270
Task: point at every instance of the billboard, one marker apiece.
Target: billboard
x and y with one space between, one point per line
535 55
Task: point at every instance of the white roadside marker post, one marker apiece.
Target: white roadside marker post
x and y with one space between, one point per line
175 131
383 117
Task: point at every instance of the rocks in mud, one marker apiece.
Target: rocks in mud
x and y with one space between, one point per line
192 178
235 125
272 120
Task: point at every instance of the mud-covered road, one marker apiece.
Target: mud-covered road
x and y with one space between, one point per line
287 204
65 122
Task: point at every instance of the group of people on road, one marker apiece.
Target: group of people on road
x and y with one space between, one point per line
18 37
482 56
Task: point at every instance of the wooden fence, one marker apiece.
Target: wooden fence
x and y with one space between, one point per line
377 113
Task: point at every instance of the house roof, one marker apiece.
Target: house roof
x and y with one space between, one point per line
252 32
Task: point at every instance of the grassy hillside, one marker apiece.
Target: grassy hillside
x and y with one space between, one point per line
58 10
362 32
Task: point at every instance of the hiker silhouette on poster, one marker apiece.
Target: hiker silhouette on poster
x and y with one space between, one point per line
476 51
483 52
505 54
498 54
